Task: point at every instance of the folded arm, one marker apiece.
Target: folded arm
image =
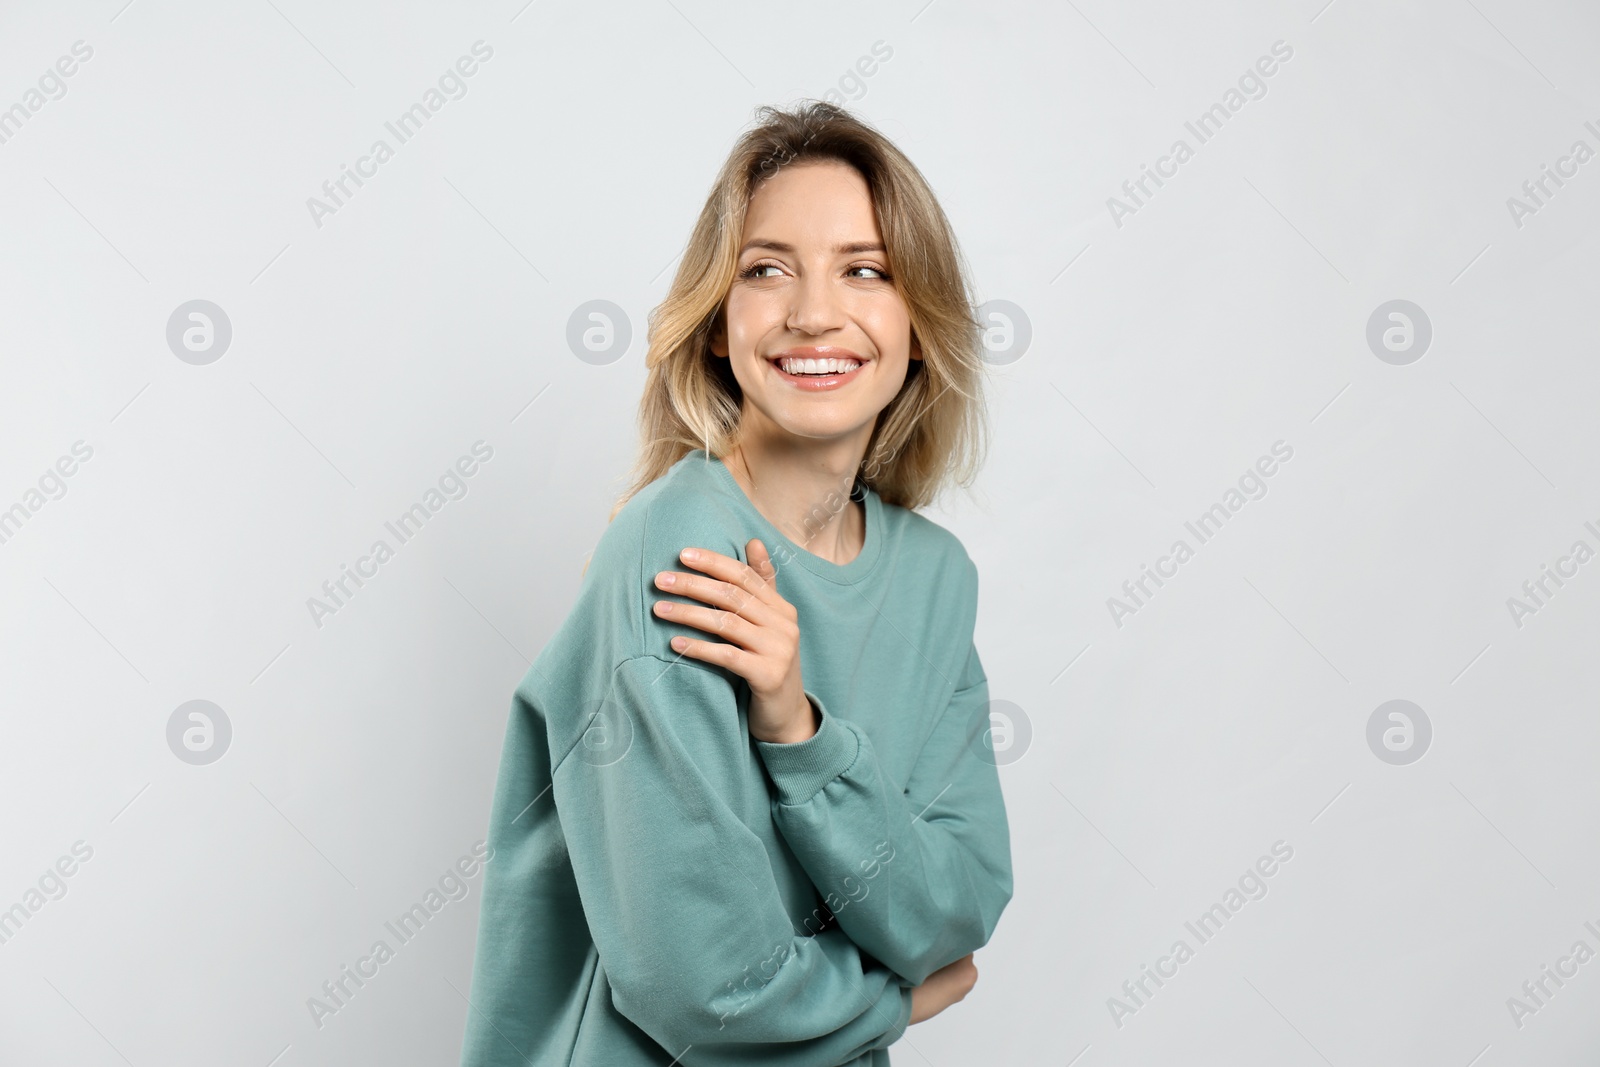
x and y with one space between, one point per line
680 897
917 876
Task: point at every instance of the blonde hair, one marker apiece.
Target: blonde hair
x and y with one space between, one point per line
934 430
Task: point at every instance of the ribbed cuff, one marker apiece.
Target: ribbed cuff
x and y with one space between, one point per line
801 770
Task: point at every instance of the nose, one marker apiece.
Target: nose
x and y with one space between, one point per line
815 309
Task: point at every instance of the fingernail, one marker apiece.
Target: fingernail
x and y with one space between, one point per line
664 607
666 579
690 553
680 643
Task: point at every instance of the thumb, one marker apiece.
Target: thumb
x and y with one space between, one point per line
760 559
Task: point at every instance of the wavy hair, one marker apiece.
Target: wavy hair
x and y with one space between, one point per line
934 431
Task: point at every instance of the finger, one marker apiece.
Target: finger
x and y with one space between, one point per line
761 560
716 652
725 624
731 571
717 594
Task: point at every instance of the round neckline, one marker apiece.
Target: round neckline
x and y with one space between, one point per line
842 573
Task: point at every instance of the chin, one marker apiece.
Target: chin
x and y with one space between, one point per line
819 429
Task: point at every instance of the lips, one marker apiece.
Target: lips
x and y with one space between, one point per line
818 361
817 368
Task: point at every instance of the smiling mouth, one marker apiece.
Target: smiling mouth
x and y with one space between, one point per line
825 367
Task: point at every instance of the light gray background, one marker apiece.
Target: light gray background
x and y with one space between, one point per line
1168 354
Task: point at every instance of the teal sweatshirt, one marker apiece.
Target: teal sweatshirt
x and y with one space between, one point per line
664 889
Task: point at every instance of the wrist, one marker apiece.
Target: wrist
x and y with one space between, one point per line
805 725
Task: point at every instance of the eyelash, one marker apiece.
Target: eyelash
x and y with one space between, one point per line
883 275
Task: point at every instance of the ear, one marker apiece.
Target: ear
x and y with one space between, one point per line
916 346
719 337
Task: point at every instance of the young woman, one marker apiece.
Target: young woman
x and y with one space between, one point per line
746 810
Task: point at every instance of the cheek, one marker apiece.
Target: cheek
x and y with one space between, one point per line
890 330
751 316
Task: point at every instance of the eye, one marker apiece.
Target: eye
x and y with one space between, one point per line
754 270
879 272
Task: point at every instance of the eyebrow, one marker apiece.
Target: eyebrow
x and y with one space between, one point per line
854 248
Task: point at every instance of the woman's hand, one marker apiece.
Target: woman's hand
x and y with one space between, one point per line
943 988
761 632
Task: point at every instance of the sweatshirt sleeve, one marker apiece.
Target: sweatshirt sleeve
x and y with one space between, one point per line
917 877
680 896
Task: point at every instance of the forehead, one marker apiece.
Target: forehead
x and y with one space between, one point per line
821 198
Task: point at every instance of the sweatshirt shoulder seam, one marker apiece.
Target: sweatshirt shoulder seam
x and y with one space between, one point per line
611 684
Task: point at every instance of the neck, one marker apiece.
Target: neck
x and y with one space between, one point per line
803 488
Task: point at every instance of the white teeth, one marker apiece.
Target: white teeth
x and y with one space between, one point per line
818 366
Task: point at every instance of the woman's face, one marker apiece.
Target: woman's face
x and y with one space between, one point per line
813 283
